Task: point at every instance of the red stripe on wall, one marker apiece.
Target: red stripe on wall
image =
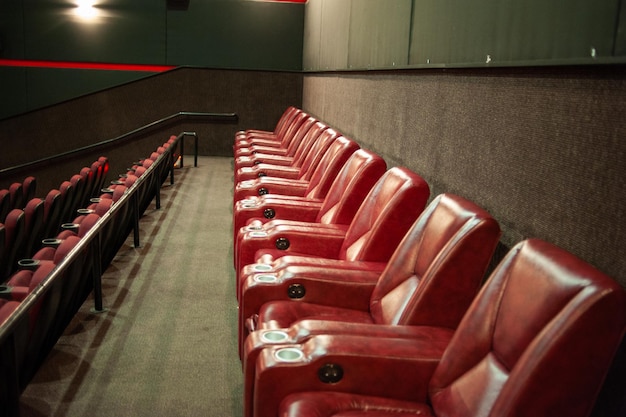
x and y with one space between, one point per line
84 65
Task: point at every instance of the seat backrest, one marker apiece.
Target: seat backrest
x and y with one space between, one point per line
67 198
52 212
14 226
292 129
299 135
64 248
87 224
29 187
350 186
316 152
17 195
104 163
305 146
283 123
537 341
34 226
385 216
5 204
436 271
329 166
78 184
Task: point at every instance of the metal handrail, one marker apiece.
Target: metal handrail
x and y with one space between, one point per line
213 117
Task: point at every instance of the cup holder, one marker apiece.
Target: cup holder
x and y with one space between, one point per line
274 336
257 234
28 264
265 278
51 242
261 268
5 289
117 182
253 228
289 355
85 211
70 226
107 190
95 200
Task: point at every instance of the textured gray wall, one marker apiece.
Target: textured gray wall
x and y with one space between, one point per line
543 150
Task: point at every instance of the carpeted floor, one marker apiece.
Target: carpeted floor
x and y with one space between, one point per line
167 346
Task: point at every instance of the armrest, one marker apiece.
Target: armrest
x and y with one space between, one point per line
305 329
339 288
391 368
263 158
308 240
289 208
270 185
268 170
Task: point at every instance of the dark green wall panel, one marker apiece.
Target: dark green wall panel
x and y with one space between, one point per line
11 29
513 32
12 91
124 32
237 34
439 33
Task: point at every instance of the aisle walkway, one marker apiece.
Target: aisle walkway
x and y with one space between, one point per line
167 346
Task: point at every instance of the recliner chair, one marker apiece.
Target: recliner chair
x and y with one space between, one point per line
387 213
537 341
345 195
430 280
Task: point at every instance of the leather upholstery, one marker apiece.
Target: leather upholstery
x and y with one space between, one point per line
317 188
324 191
430 280
247 138
284 166
347 193
292 137
537 341
382 220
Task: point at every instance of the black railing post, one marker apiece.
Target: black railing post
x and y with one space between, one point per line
96 257
134 201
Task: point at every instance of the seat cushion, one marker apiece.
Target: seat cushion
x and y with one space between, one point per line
281 314
338 404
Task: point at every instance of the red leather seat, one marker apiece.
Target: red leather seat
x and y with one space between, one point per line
301 150
430 280
348 190
289 142
537 341
315 188
5 204
17 195
34 226
15 238
388 211
7 308
328 183
249 137
291 162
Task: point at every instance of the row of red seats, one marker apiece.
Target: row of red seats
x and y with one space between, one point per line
29 219
40 298
39 233
363 299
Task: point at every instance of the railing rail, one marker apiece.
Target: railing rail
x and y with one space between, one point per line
180 116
